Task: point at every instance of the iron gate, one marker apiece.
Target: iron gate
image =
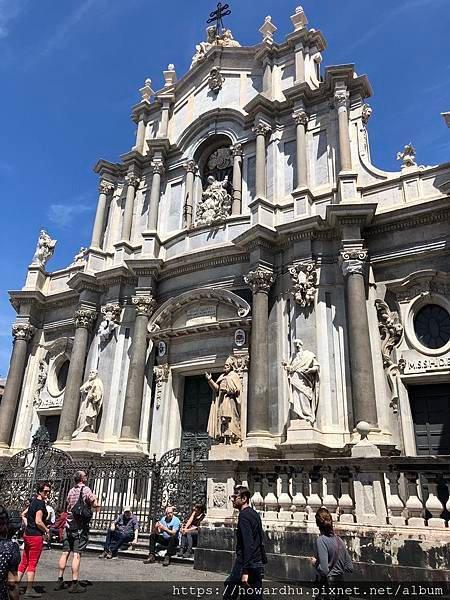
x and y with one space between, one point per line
178 479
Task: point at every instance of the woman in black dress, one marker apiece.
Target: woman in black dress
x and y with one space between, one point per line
9 560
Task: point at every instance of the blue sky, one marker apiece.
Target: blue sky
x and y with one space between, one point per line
71 70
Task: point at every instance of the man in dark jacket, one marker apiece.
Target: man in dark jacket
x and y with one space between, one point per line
248 568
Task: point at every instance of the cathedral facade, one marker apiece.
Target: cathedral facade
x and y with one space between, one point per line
252 277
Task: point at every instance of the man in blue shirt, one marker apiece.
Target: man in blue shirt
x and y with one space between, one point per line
164 533
124 530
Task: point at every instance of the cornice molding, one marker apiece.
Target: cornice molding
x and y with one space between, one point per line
169 272
411 222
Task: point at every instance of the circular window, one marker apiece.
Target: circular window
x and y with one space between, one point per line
61 376
432 326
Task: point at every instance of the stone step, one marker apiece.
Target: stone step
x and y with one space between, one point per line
97 540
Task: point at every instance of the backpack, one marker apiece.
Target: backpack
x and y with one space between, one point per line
15 522
82 511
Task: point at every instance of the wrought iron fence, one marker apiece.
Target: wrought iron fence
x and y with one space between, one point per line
147 486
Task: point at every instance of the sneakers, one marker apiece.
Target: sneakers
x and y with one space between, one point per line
166 561
111 557
60 585
32 594
75 588
149 560
104 554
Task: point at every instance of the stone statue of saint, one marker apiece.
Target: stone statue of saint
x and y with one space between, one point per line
91 404
228 40
303 377
44 249
215 205
202 48
224 423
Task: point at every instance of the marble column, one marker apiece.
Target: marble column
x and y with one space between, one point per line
140 136
191 169
361 366
22 334
301 119
155 194
260 281
261 130
236 207
132 182
104 189
136 372
84 319
341 100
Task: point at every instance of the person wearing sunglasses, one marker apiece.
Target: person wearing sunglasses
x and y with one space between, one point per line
35 532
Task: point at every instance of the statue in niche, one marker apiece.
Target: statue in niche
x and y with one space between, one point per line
304 382
224 423
44 249
91 404
215 205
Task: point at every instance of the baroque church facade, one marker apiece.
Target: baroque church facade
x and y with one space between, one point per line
252 276
247 217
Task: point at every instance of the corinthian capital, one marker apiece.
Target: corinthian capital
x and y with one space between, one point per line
262 128
237 150
85 317
132 179
144 305
157 167
105 187
352 261
23 331
260 280
191 166
300 117
341 97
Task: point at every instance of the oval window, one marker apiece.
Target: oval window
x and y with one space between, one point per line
62 375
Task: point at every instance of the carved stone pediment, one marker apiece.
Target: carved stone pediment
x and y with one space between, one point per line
199 310
421 283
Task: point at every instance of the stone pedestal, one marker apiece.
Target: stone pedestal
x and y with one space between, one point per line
370 507
151 244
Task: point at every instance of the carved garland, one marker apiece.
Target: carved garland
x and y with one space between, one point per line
391 331
161 376
304 283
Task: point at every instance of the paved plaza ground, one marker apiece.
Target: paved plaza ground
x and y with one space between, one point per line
122 569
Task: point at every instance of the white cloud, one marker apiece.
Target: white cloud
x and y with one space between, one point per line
62 215
9 10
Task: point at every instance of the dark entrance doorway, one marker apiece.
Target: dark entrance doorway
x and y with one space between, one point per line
430 408
196 405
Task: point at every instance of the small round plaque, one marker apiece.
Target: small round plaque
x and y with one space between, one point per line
239 337
162 348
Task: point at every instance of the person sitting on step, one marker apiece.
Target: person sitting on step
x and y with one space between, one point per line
124 530
189 531
165 533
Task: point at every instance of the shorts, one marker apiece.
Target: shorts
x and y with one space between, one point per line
75 540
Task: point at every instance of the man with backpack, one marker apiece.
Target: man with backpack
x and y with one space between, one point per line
80 504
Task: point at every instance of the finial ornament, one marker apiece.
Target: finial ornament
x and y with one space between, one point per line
170 76
408 156
260 280
299 20
146 90
267 29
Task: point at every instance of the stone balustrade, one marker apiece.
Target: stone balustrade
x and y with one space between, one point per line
411 492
